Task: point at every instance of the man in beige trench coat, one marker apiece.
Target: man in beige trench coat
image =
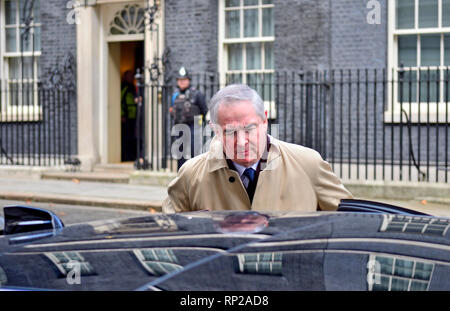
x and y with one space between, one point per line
247 169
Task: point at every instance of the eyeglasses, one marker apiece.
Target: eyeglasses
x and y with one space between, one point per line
249 129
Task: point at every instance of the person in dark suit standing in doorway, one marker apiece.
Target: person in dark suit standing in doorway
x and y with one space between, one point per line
128 115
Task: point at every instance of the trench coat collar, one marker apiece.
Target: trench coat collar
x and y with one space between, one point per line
216 157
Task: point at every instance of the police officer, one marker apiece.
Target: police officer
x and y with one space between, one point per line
188 107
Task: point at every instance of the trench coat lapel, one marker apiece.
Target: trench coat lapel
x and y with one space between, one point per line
269 160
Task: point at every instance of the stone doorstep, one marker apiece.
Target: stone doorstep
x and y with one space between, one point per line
151 206
161 179
134 178
114 167
88 176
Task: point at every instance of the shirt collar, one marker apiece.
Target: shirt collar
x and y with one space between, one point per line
241 168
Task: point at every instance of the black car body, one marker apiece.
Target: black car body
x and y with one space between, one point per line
363 246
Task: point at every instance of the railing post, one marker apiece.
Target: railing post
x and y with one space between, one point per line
141 162
309 110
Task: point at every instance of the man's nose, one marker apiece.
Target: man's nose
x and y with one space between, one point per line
241 138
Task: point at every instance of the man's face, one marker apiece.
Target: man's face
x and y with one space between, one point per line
183 83
242 131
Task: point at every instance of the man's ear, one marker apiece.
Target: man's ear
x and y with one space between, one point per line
215 128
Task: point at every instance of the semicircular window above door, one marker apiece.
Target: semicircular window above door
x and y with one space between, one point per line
128 21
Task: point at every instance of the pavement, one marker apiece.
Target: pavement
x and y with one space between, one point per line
115 190
77 192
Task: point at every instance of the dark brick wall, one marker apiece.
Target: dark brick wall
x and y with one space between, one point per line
58 36
191 34
302 34
328 34
58 41
309 34
354 42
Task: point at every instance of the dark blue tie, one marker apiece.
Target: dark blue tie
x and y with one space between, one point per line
250 173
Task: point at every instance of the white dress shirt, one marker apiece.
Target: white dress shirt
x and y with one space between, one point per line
241 170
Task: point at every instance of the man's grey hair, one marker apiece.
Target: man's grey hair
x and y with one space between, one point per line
235 93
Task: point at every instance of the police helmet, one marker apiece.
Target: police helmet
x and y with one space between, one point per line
183 74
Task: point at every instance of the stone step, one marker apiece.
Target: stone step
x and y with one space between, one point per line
110 177
125 167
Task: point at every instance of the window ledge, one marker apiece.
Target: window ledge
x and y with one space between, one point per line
20 117
424 117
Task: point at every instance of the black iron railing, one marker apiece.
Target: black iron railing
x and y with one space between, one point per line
36 126
370 124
